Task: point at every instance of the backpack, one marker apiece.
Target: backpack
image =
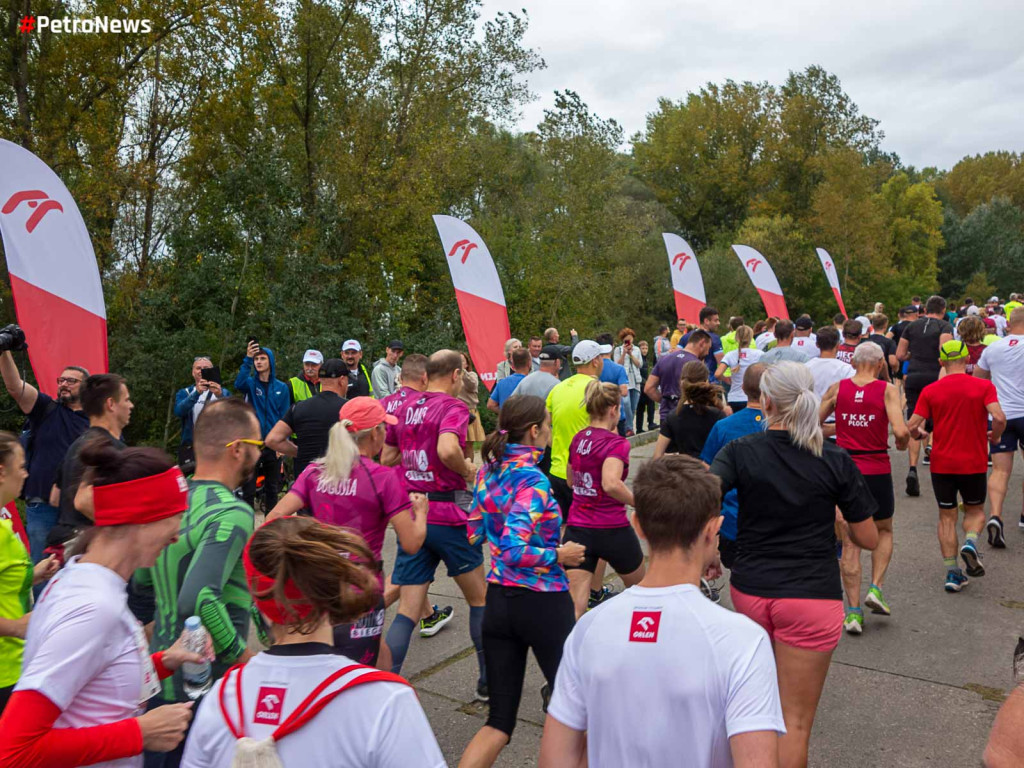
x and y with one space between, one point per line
250 753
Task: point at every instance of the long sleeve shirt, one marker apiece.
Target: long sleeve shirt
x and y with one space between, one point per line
514 508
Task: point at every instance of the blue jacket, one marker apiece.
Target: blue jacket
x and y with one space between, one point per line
184 403
271 400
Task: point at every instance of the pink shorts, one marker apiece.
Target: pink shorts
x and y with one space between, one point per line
812 625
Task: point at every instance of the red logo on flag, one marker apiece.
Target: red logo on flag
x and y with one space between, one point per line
682 258
33 198
468 245
644 627
828 265
268 705
1013 342
753 264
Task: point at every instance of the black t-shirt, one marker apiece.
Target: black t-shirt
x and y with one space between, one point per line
54 428
888 348
898 329
358 383
687 430
311 421
922 337
786 545
69 477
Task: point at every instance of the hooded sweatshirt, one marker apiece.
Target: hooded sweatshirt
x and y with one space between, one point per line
270 400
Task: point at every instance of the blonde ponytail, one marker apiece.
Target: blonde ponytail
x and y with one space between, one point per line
342 453
790 387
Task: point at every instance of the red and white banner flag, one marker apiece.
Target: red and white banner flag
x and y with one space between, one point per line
478 291
687 283
833 277
55 281
761 275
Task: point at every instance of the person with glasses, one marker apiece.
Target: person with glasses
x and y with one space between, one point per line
201 574
54 423
190 401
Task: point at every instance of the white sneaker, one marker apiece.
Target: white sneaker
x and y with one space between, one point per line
854 623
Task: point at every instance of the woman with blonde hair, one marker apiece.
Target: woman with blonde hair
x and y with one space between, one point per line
972 330
347 488
785 576
470 395
597 470
300 703
736 361
701 405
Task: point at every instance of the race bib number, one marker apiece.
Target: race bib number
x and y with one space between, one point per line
150 679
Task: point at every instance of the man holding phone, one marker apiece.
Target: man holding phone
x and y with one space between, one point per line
190 401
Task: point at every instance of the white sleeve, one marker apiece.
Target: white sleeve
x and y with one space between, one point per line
402 736
76 649
984 362
732 357
752 701
568 705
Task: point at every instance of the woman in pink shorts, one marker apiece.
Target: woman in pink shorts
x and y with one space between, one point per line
785 576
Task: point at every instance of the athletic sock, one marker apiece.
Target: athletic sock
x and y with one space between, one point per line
949 562
972 539
476 632
399 635
852 609
875 586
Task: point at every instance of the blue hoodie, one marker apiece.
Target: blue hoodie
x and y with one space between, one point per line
271 400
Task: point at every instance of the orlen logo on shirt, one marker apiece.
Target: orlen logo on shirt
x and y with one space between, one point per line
269 702
644 627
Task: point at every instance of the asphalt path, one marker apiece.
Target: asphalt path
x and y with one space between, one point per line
919 688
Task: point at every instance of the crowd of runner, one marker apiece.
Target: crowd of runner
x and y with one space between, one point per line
772 461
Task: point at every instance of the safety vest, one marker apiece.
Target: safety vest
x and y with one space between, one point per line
300 389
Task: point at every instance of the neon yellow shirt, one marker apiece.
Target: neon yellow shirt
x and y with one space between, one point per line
15 588
568 416
1009 306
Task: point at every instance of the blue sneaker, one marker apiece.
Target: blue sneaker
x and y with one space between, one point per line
955 580
972 560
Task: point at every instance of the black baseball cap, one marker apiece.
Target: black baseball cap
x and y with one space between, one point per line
803 324
909 310
545 354
333 368
396 344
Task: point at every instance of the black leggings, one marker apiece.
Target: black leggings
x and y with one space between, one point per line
515 621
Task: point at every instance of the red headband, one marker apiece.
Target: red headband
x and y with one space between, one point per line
144 500
262 588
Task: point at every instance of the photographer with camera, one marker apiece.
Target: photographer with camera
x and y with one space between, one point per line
52 426
190 401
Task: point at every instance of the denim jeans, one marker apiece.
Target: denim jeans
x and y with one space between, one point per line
629 407
40 518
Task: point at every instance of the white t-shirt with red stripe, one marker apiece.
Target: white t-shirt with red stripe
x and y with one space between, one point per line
376 725
690 675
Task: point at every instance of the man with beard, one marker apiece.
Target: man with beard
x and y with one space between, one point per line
201 574
53 425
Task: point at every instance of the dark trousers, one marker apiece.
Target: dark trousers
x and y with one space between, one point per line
648 406
517 620
170 759
269 466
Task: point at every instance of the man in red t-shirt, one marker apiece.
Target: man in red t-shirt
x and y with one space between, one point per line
959 406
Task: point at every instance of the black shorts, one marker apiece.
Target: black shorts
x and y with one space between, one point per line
971 488
619 547
912 387
360 640
1013 436
881 491
563 494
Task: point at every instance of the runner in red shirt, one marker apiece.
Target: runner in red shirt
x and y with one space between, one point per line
959 406
865 407
852 331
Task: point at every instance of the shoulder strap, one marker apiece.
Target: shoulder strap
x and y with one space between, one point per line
238 732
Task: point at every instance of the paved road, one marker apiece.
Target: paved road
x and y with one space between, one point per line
919 688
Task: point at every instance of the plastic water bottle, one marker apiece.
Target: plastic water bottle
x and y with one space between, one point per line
197 678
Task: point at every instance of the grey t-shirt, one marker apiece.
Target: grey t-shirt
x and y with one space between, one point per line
538 384
780 354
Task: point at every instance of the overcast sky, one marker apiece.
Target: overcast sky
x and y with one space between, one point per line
946 79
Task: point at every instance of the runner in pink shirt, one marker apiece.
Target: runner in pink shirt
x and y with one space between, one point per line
414 381
597 471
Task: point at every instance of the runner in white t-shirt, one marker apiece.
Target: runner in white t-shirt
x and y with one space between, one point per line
826 368
362 716
1003 363
701 679
737 361
803 338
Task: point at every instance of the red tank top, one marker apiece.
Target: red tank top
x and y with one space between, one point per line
862 425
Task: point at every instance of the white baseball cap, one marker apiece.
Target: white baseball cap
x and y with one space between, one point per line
587 350
351 344
313 356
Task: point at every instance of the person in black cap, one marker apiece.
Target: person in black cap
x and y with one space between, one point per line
803 338
560 351
387 371
311 420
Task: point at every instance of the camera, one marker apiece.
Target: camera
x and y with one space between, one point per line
12 338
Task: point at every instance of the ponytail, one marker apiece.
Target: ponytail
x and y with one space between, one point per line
515 419
790 387
601 397
342 453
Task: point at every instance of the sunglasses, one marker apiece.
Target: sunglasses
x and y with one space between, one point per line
67 380
248 441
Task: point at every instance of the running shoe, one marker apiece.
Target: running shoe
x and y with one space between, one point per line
876 602
545 697
854 622
913 485
927 456
482 694
596 598
994 528
955 580
972 559
435 622
709 590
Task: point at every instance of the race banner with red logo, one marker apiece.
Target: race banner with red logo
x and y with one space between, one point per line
478 291
761 275
55 281
687 283
832 276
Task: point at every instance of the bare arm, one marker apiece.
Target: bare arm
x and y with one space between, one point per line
390 456
451 455
411 524
24 394
278 440
864 534
998 422
611 481
828 403
624 390
651 388
914 425
895 414
492 405
286 507
1006 740
944 338
756 749
55 496
720 373
661 446
903 350
561 746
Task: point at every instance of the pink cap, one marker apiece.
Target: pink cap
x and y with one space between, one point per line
364 413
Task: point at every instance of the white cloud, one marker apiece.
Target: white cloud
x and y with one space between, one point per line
944 79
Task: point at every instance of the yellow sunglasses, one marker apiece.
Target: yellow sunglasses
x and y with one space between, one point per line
258 443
